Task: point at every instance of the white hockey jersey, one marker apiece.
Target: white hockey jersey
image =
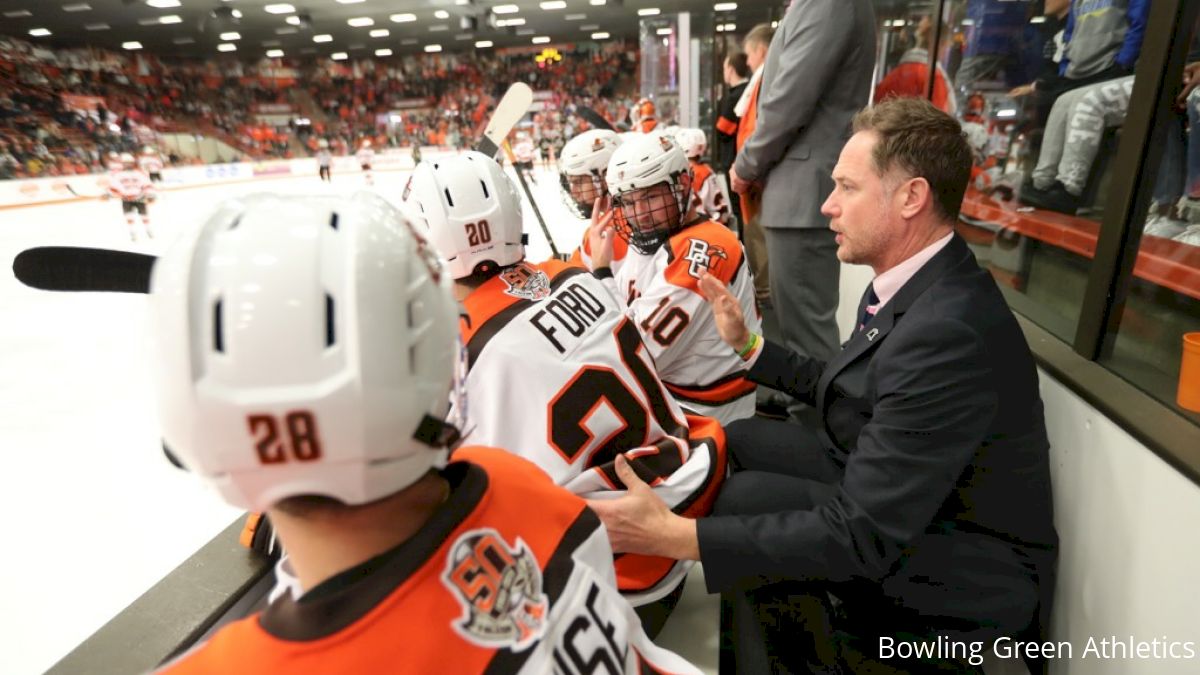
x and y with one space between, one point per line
707 197
525 151
365 156
150 163
583 255
324 158
130 185
662 295
559 375
511 575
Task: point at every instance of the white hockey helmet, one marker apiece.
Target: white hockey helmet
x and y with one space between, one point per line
323 143
639 163
472 211
693 142
147 150
128 159
586 154
366 143
304 346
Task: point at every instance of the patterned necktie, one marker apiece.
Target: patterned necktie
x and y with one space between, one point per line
870 308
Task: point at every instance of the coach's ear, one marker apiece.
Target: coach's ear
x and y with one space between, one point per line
914 196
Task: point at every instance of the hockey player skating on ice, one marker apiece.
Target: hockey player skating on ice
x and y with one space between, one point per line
671 246
548 347
324 160
151 163
707 198
134 189
526 153
366 157
405 562
582 168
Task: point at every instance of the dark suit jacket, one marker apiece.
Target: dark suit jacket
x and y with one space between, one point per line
944 504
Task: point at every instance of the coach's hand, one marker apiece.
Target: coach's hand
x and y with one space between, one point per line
731 323
600 233
640 522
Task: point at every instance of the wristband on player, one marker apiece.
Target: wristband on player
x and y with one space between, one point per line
751 343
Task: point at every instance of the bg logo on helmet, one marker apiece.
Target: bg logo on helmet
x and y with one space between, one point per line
500 589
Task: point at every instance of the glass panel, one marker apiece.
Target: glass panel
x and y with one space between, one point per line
1042 89
1164 298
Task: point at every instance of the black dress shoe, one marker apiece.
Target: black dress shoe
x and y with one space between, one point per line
1055 198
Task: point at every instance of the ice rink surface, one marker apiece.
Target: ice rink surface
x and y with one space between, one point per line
93 515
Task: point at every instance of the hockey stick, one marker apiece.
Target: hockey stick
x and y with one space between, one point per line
68 268
533 203
511 108
593 118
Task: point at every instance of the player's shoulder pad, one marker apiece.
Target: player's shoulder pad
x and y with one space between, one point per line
705 245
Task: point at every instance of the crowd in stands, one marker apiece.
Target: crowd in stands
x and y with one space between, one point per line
62 111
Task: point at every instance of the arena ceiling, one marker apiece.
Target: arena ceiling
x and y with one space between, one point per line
300 28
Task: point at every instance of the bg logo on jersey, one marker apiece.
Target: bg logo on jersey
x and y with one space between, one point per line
500 589
703 256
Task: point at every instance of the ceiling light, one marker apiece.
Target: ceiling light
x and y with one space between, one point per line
541 40
383 52
599 36
283 8
77 7
1038 19
170 18
663 31
730 27
505 9
380 32
649 11
286 30
349 2
274 53
339 56
442 14
97 26
39 32
323 38
439 28
575 17
774 24
227 47
148 21
597 3
229 37
724 6
360 21
18 13
162 4
293 20
483 44
131 45
433 48
553 4
237 13
501 23
184 41
403 18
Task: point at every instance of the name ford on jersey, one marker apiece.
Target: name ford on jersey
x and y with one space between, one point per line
567 314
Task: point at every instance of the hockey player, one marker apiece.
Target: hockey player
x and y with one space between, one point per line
151 164
644 116
707 197
134 189
670 247
366 156
324 160
581 176
341 436
525 152
556 372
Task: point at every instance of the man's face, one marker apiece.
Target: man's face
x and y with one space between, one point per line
755 55
728 74
585 189
860 208
651 208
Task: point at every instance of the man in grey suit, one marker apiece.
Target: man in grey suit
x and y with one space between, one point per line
922 502
817 75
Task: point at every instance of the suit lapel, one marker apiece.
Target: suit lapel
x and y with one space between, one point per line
863 341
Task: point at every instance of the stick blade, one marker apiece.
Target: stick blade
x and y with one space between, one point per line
511 108
69 268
